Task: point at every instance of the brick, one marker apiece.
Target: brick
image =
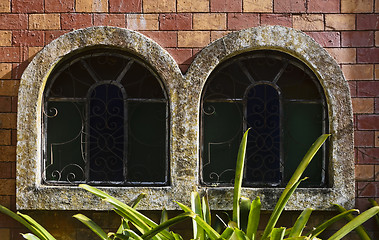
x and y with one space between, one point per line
357 39
116 20
364 138
51 35
308 22
376 72
14 104
376 6
368 55
358 72
5 38
209 21
5 6
353 88
368 155
368 122
142 21
257 6
226 5
376 141
364 172
293 6
339 21
377 39
218 34
5 234
44 21
368 22
9 54
363 105
368 189
276 19
163 38
91 6
5 138
125 6
175 21
7 154
8 120
27 6
356 6
326 39
343 55
323 6
59 6
13 137
28 38
193 5
237 21
8 187
6 169
161 6
181 56
18 69
193 38
9 87
32 51
76 20
13 21
368 89
5 105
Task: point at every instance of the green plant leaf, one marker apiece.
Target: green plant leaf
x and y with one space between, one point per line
238 178
245 204
253 221
212 234
143 223
177 236
92 225
36 225
164 217
134 203
23 222
30 236
124 225
206 209
198 232
227 233
277 233
300 223
294 181
133 234
116 236
240 234
355 223
319 229
374 203
170 222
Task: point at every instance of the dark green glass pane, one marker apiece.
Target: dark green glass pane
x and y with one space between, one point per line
106 66
223 124
302 126
147 142
264 67
64 160
294 79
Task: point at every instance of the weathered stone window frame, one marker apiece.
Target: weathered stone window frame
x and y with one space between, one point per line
184 94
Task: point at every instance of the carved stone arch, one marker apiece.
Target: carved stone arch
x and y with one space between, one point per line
337 93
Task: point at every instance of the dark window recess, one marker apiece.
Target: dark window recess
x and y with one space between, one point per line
105 122
281 100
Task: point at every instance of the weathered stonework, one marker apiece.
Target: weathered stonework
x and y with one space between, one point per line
184 93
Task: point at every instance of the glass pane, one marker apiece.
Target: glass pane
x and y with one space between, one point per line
222 123
64 124
302 126
263 149
106 134
147 142
263 67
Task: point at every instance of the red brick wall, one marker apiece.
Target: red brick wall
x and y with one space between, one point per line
348 29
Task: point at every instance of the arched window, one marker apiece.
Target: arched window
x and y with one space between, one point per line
281 100
105 121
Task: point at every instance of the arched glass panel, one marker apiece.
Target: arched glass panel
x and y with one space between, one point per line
105 121
281 100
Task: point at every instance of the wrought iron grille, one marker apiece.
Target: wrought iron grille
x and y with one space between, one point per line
281 100
105 122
